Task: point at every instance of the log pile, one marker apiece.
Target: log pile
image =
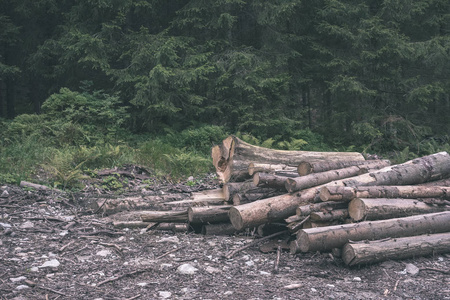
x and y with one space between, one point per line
327 201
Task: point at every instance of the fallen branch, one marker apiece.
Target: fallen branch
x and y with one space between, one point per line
255 242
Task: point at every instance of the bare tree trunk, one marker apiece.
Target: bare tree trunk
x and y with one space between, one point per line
399 248
327 238
386 208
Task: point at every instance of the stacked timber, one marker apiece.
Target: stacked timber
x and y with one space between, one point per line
327 201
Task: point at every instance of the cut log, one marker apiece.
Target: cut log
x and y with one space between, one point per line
327 238
280 207
268 168
400 248
112 206
305 210
219 229
336 214
387 208
440 182
39 187
232 158
239 199
315 179
307 167
269 181
209 214
341 193
231 188
171 216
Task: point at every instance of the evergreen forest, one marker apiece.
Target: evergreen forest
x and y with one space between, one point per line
86 84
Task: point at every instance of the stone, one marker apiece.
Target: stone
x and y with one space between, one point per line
104 253
412 269
165 294
53 263
187 269
357 279
17 279
27 224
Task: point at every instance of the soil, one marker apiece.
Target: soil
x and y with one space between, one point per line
54 246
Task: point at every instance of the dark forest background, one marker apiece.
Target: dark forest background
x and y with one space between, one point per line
160 81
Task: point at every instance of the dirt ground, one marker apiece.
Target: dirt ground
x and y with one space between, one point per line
52 246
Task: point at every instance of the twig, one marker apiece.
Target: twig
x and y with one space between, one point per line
124 275
297 226
230 254
65 246
436 270
135 297
50 290
117 248
396 284
100 207
171 251
277 261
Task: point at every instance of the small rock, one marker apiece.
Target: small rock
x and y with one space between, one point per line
53 263
357 279
227 293
17 279
166 266
313 290
187 269
170 239
27 224
250 263
4 194
5 225
142 284
412 269
293 286
22 287
330 285
264 273
34 269
165 294
104 253
64 232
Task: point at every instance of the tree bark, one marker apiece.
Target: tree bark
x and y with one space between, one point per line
341 193
209 214
270 181
336 214
315 179
232 188
306 167
387 208
327 238
233 157
164 216
399 248
305 210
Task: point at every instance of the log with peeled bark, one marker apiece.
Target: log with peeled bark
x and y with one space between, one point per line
232 157
270 168
336 214
231 188
111 206
387 208
209 214
305 210
280 207
270 181
315 179
400 248
327 238
307 167
341 193
171 216
252 196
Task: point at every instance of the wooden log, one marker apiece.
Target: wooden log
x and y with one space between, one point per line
233 157
305 210
112 206
400 248
219 229
38 187
315 179
440 182
270 168
280 207
171 216
131 224
336 214
269 181
387 208
209 214
231 188
327 238
307 167
341 193
239 199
